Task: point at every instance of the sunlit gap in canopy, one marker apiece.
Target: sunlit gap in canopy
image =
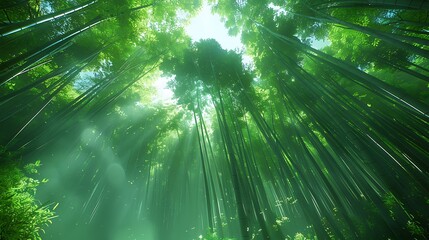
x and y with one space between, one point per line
164 95
205 25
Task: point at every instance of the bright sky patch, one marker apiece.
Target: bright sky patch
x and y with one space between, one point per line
164 94
208 25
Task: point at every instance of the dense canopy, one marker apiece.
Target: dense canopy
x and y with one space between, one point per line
323 135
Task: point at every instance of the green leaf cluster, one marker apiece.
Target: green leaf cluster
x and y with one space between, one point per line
21 216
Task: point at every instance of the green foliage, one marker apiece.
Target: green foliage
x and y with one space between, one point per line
415 229
214 236
205 69
21 216
300 236
396 208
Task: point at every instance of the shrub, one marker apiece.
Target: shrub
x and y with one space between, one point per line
21 215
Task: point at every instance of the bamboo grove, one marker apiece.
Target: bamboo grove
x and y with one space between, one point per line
302 143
